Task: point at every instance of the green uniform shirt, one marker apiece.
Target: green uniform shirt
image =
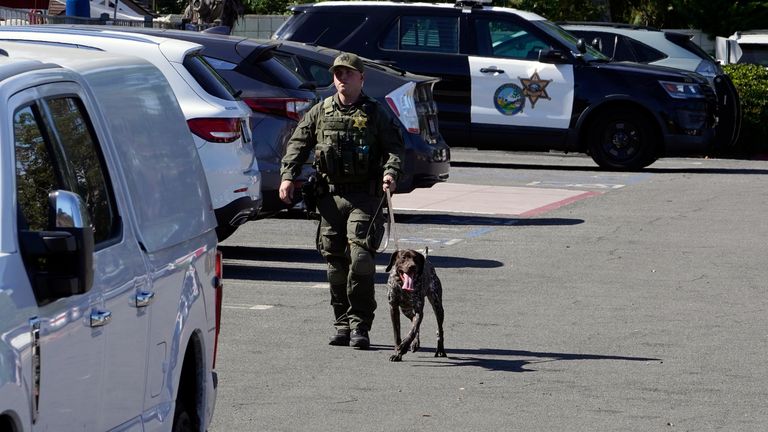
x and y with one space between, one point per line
389 140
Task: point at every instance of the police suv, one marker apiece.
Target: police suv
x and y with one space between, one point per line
513 80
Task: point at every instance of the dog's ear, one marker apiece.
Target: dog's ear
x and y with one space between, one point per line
392 259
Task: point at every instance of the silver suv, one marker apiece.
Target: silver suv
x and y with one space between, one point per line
641 44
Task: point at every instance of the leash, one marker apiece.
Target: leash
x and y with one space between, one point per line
390 228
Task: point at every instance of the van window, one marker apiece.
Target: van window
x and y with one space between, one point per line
423 33
56 149
208 78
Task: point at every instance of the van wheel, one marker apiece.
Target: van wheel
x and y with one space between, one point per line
623 140
182 419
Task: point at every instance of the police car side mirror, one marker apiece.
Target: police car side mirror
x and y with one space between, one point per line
552 56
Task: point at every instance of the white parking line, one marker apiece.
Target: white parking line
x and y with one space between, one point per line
247 306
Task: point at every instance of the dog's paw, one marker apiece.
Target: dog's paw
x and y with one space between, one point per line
396 357
440 354
415 345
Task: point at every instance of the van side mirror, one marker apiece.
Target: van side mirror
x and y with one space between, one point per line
59 260
552 56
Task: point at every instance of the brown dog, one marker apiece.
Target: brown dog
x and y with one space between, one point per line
412 278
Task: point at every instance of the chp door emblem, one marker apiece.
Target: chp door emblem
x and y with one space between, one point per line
509 99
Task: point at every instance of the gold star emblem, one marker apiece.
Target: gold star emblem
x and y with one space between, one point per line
359 122
535 88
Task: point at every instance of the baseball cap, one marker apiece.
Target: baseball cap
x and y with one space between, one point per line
348 60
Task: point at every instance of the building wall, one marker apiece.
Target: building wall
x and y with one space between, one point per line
258 26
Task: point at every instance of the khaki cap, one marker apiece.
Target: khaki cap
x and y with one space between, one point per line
349 60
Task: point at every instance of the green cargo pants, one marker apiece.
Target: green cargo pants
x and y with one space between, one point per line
350 231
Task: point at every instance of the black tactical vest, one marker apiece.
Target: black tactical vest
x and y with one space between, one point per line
347 150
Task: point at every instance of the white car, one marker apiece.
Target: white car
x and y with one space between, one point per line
111 280
218 121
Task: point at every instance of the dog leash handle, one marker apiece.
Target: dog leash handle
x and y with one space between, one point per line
391 213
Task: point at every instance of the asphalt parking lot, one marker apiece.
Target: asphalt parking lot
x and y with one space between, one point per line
623 302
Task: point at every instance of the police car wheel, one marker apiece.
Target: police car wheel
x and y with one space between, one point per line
623 140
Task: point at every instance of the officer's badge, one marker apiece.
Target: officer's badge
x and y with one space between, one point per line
359 122
535 88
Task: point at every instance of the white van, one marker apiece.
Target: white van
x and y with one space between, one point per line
218 121
111 287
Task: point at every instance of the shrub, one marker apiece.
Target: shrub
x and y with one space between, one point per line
751 81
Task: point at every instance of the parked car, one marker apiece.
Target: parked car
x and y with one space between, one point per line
277 97
218 121
275 79
408 96
743 47
513 80
111 276
641 44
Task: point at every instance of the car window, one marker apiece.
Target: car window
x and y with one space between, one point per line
423 33
754 53
502 38
56 148
208 78
325 30
606 42
271 68
623 50
644 53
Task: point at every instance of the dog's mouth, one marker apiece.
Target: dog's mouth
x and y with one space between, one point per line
407 281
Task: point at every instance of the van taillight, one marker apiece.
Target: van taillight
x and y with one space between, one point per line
293 108
219 287
218 130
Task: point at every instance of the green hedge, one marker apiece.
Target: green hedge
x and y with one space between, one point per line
752 84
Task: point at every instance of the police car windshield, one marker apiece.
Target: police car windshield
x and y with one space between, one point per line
570 40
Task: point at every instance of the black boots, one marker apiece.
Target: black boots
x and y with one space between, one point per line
341 338
359 339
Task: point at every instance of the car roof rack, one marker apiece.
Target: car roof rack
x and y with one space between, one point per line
609 24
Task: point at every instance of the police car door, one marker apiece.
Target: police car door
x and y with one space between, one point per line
510 87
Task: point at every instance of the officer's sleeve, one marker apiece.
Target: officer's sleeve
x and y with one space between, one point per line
391 138
301 143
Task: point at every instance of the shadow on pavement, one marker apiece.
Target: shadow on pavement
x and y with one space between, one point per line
310 256
453 219
473 358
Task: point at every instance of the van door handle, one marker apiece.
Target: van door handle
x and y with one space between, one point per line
492 69
144 298
100 318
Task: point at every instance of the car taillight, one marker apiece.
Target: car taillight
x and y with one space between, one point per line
293 108
219 287
218 130
403 104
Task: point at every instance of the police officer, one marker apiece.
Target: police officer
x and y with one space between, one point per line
357 149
